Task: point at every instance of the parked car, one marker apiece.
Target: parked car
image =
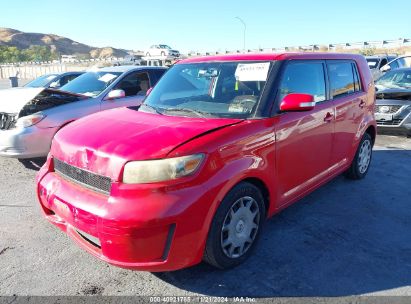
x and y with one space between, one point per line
393 106
376 62
129 60
397 63
162 50
53 81
27 126
220 144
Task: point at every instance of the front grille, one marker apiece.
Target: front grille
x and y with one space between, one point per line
7 121
80 176
394 122
391 109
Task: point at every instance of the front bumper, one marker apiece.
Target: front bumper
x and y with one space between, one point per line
26 142
399 125
136 227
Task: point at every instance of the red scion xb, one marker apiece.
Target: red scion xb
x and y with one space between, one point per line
220 144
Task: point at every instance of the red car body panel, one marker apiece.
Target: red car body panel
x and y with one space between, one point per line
164 226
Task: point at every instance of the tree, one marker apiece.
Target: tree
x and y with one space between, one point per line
33 53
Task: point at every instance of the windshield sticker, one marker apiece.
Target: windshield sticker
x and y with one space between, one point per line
107 77
51 77
252 71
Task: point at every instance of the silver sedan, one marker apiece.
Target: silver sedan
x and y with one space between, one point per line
27 129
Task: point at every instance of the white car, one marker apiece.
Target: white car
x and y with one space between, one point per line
29 118
161 50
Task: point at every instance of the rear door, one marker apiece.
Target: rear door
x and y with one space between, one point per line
135 86
304 139
349 99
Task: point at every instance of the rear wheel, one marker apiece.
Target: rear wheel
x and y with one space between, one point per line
235 227
163 54
361 163
148 55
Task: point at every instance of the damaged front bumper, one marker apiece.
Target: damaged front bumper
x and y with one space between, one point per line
26 142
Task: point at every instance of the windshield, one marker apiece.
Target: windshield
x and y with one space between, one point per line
372 63
210 89
395 79
91 84
163 46
42 81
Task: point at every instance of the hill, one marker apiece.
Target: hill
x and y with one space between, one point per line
57 44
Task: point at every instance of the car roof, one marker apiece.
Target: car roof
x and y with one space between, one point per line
271 57
127 68
71 72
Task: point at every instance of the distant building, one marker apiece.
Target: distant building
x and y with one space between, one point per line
69 58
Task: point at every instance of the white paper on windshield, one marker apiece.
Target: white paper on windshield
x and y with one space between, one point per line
51 77
107 77
252 71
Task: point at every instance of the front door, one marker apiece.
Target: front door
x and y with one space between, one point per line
304 139
135 86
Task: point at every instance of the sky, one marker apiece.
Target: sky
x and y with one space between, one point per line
210 25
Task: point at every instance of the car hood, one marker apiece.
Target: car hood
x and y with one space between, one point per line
14 99
396 96
102 143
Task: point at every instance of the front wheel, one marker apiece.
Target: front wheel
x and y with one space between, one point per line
362 159
235 227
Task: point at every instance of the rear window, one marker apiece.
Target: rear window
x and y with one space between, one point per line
344 78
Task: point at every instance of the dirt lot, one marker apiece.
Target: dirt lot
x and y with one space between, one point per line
347 238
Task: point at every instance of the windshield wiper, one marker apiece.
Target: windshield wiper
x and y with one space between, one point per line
153 109
187 110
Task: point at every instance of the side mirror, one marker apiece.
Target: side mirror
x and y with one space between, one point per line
385 68
116 94
149 91
297 102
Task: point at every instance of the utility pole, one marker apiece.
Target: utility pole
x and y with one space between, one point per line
245 29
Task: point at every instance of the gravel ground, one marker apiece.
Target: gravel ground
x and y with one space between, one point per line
347 238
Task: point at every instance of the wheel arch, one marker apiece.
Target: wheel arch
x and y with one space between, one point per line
371 130
257 182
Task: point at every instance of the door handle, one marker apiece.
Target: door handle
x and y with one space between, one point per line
329 117
362 103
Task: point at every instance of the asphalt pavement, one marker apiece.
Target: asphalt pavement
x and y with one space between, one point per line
347 238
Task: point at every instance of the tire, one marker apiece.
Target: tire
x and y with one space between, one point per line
148 55
163 54
244 206
359 167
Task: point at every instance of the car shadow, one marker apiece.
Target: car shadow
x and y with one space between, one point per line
33 163
346 238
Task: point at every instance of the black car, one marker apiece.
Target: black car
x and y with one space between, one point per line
393 106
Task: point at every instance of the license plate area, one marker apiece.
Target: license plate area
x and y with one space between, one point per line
383 117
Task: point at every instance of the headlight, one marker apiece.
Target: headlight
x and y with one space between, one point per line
150 171
30 120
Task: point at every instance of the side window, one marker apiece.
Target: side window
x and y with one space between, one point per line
341 78
158 74
383 62
357 82
134 84
304 77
